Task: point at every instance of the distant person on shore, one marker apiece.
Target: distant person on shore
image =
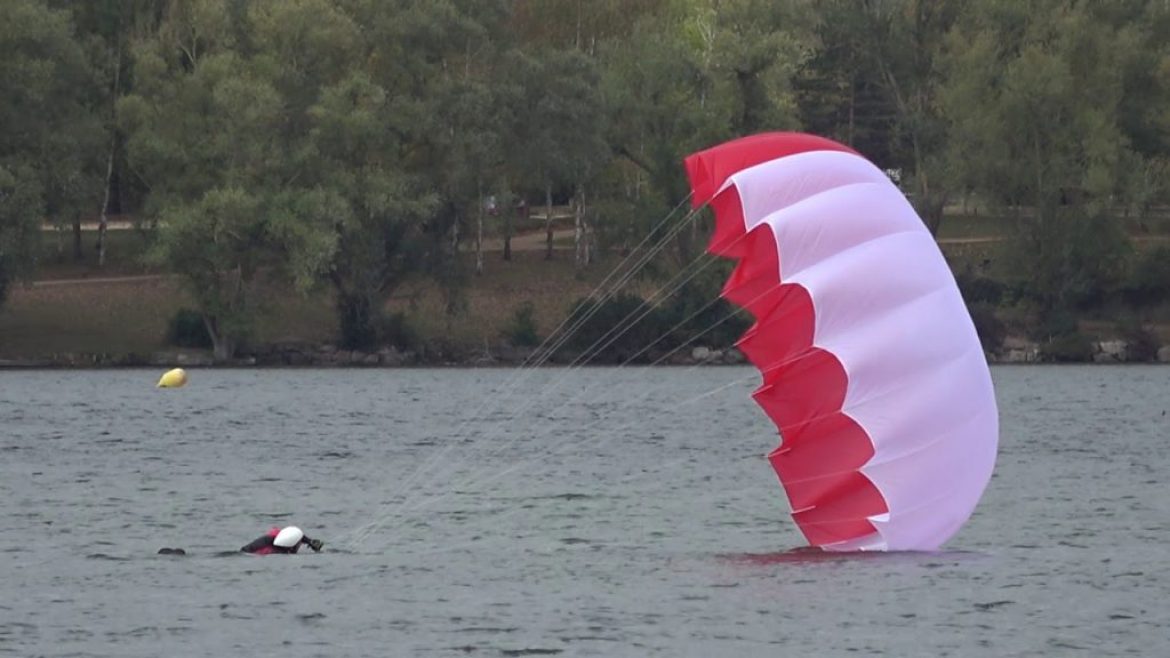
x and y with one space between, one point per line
278 540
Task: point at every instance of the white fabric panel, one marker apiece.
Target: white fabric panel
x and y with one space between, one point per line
888 308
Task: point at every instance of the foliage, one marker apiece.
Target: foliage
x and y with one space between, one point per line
1148 282
992 331
879 74
628 328
617 328
522 330
187 329
1140 343
978 289
395 329
1037 105
49 135
1072 347
348 144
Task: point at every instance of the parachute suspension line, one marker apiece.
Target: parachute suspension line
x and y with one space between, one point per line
620 281
528 462
611 336
595 349
584 317
530 364
730 314
513 385
472 483
516 509
518 379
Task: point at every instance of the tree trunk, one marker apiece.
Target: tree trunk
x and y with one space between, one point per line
101 239
479 233
355 313
548 254
578 255
508 230
77 255
587 232
223 346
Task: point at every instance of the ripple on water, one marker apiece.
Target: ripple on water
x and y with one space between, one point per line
612 530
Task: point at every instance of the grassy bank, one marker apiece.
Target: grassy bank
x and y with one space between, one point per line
125 308
76 311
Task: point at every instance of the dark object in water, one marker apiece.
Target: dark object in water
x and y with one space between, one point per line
171 551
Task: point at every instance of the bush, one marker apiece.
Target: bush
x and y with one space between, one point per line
1140 343
1055 323
990 328
1148 283
698 312
980 289
395 329
522 330
616 330
187 329
1068 348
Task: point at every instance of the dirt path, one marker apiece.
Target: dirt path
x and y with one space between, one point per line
524 242
131 278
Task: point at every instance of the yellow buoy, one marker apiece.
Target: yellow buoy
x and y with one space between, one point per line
173 379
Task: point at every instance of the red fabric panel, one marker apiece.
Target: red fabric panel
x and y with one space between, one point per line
754 284
708 170
784 333
819 464
804 387
842 516
727 238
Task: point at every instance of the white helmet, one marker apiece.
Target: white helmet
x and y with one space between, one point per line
288 537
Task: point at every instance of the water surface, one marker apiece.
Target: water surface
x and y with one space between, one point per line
606 512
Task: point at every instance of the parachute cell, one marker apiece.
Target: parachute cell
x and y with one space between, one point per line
872 370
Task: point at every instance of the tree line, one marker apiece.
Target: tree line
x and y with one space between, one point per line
348 144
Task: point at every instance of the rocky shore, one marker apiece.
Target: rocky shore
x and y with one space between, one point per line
1014 351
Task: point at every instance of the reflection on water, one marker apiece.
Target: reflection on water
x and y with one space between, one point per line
606 512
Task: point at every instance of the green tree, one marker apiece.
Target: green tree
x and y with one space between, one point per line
879 64
556 130
106 30
700 74
1036 96
202 126
47 145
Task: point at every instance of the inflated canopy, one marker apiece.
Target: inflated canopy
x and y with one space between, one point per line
872 369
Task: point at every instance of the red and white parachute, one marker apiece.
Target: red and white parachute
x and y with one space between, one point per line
872 369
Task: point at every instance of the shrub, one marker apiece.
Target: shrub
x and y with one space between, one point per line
617 329
397 330
990 328
522 329
625 327
1140 343
980 289
1148 283
1055 323
187 329
1068 348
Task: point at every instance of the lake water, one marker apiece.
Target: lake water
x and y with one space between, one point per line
605 512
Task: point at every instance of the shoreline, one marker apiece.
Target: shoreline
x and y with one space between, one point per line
326 355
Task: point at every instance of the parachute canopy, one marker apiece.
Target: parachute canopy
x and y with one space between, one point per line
872 369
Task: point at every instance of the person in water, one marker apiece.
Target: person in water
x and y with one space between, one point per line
278 540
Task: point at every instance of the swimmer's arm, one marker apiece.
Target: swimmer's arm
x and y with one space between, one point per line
258 543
